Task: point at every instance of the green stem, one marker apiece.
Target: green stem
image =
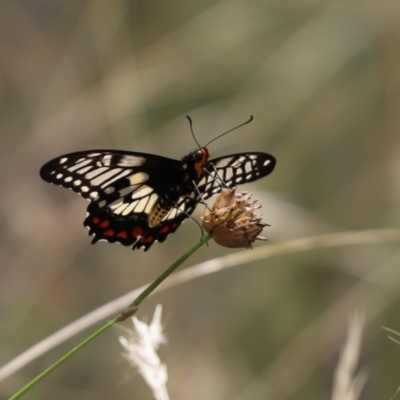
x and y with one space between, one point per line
47 371
132 306
168 272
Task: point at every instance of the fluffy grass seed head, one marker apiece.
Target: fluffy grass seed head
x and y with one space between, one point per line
141 351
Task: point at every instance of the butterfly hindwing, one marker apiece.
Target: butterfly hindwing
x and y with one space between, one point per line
133 229
170 224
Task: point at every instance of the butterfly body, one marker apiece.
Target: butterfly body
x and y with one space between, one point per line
137 198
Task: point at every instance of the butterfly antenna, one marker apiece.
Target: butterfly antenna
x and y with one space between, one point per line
201 200
230 130
191 130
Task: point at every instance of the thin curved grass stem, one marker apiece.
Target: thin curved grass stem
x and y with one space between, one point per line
131 309
208 267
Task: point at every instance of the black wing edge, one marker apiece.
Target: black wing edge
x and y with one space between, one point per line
54 164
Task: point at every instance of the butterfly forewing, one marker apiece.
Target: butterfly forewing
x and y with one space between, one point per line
234 170
137 198
98 169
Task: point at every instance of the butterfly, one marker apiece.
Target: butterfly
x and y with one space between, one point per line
137 198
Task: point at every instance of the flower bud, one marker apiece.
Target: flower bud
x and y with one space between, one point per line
234 221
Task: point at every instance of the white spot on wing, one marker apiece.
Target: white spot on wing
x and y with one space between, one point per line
95 172
109 189
84 189
152 201
77 182
127 209
68 179
94 196
139 177
106 160
142 192
121 208
102 203
63 160
131 161
121 175
229 173
141 205
266 162
59 176
117 203
172 214
84 170
104 177
129 189
80 164
239 162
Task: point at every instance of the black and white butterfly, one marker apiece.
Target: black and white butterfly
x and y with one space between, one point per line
137 198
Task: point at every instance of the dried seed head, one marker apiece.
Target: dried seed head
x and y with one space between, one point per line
234 221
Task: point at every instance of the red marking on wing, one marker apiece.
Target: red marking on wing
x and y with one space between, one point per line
96 220
123 235
110 232
105 223
164 229
148 239
138 231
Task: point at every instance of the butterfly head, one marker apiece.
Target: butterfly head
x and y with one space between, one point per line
200 157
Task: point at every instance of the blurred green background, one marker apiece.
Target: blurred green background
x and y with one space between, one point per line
322 79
